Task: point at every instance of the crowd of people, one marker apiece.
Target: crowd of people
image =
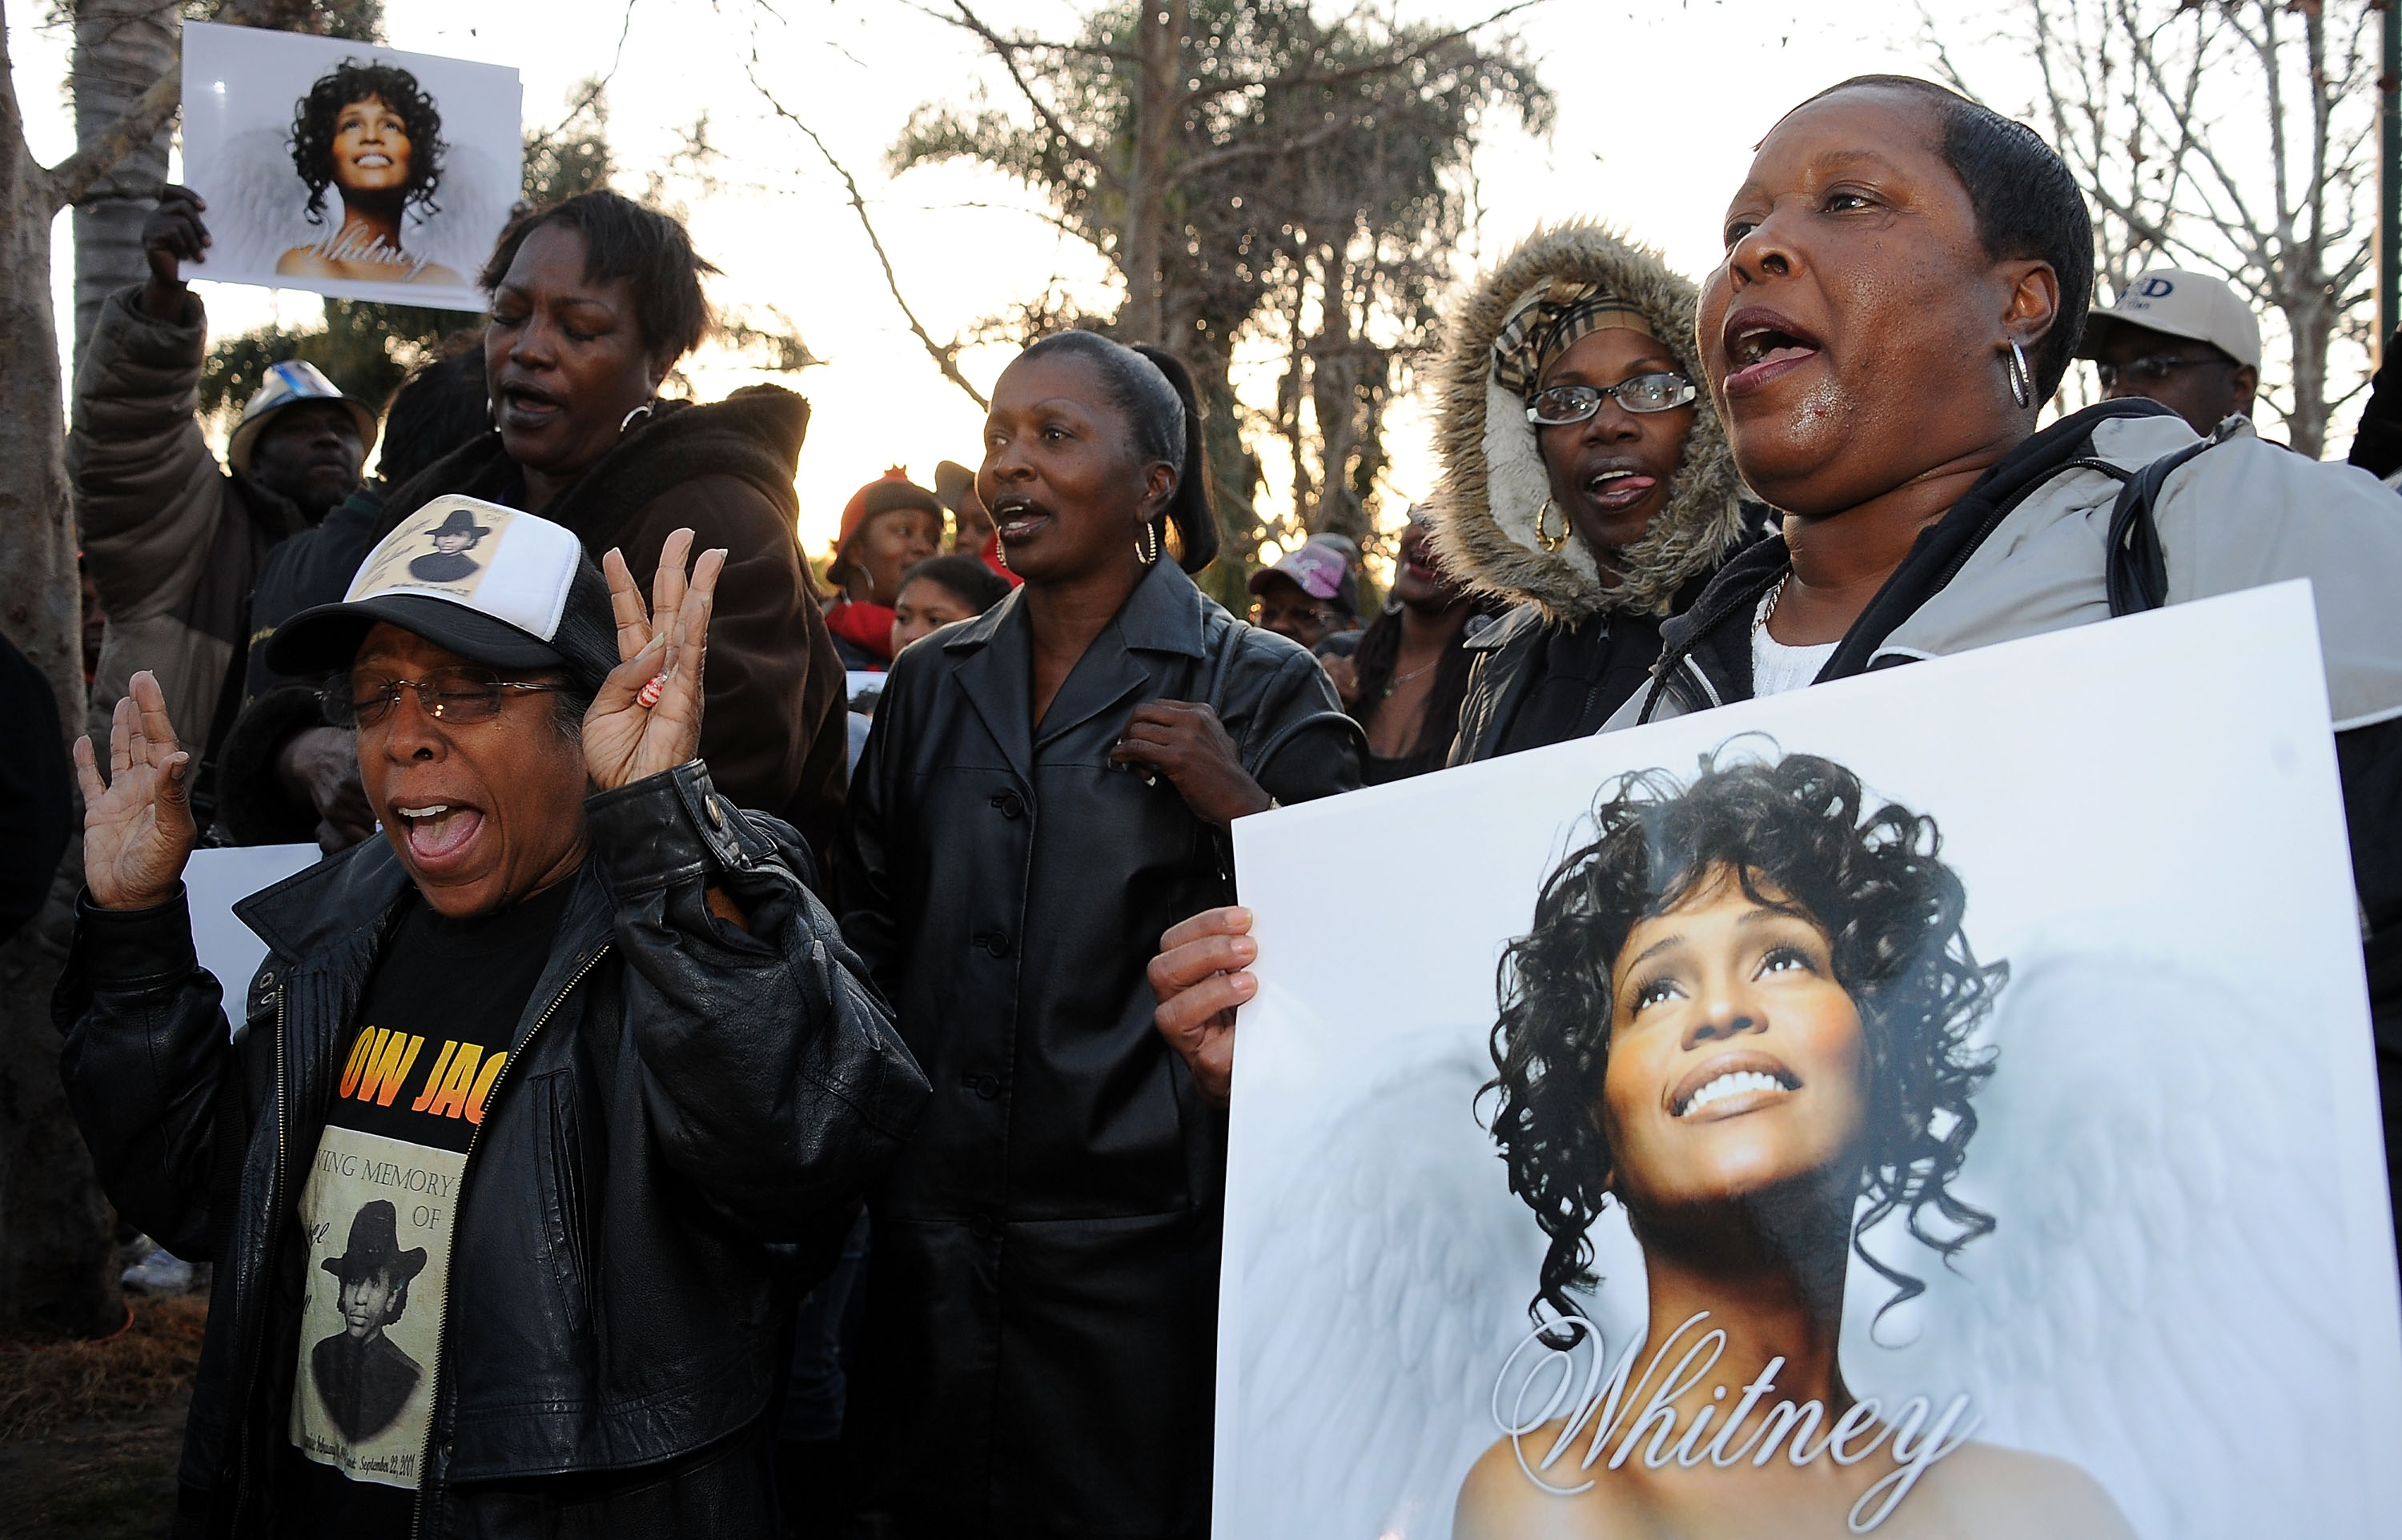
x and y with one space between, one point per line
812 992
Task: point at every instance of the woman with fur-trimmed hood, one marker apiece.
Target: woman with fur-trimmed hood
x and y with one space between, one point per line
1585 479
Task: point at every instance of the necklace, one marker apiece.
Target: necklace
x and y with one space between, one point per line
1398 679
1768 604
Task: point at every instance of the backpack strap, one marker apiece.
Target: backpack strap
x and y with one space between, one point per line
2135 574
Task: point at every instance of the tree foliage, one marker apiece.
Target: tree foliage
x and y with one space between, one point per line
1316 184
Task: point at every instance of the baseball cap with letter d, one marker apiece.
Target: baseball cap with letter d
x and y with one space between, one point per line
2175 303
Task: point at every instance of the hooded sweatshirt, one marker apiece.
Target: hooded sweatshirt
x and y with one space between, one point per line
1573 647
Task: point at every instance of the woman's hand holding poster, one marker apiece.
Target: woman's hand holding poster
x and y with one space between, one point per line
1937 1103
347 168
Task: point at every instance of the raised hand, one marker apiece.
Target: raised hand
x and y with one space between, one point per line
173 235
137 825
646 717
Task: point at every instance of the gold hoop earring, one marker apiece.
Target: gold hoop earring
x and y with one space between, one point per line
1151 537
1547 541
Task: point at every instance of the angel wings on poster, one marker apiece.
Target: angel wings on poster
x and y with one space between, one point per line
347 169
1823 1129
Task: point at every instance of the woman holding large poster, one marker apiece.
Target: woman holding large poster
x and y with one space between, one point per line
1744 1015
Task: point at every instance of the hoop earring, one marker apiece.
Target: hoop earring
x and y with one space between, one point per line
2022 381
1547 541
1150 534
633 417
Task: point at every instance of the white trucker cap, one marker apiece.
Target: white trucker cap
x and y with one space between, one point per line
2179 304
497 586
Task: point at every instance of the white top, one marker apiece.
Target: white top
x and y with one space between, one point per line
1776 667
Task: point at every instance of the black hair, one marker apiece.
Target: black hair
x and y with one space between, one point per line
1154 391
441 406
1891 910
315 116
2027 203
971 580
623 238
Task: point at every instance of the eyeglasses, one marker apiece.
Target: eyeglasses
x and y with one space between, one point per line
2152 368
1561 405
1287 614
448 695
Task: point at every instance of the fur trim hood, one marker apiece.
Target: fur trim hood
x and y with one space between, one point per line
1493 484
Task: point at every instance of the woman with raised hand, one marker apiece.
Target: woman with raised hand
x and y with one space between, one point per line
1046 788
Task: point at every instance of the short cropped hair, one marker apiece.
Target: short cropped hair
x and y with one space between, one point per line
1891 911
2027 203
315 116
622 238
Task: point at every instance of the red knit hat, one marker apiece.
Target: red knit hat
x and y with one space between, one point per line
890 491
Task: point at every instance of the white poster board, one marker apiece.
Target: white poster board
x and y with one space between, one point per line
2182 1320
215 879
346 167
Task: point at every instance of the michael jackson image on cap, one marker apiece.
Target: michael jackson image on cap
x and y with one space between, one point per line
1743 1014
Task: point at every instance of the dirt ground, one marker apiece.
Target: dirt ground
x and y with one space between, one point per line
95 1478
90 1432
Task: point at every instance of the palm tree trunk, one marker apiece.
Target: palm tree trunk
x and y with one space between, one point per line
121 46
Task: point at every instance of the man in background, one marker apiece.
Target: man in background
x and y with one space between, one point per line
2183 340
1308 596
174 542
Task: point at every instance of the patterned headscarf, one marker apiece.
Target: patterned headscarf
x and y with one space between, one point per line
1547 321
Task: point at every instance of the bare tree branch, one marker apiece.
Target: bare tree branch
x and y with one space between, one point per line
79 172
1007 49
945 356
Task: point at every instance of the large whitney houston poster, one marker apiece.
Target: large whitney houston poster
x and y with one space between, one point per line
348 168
1938 1104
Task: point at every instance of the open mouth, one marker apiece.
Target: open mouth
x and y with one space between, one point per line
1017 518
1761 345
529 407
438 833
1619 487
374 160
1728 1087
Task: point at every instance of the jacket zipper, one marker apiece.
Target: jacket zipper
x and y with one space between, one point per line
274 1211
442 1333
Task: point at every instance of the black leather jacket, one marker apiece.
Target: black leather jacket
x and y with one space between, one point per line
1042 1294
683 1127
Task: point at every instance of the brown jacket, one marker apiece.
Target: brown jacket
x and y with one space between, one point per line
173 541
775 735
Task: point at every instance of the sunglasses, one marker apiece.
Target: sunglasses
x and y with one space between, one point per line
448 695
1561 405
2152 368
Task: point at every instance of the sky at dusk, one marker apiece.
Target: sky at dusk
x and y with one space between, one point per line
1658 108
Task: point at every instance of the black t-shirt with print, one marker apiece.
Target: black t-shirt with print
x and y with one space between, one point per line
432 1040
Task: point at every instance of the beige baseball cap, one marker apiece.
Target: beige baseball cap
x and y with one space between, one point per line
2179 304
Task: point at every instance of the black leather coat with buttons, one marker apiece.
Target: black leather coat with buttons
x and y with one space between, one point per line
1043 1288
